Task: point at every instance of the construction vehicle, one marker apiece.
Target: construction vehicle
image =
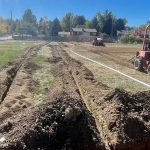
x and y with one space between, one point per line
142 58
98 42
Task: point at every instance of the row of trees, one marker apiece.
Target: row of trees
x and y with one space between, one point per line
104 22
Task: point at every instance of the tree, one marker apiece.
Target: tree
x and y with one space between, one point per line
105 22
88 24
101 22
92 24
79 21
95 24
55 27
17 26
109 24
44 26
3 26
29 18
120 24
67 22
50 25
29 21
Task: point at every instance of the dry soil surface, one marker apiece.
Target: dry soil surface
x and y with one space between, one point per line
80 113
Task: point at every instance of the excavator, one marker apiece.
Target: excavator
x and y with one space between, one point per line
142 58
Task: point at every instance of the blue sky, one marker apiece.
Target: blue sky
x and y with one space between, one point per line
136 11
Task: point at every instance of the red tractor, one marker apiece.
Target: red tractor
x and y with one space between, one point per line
142 59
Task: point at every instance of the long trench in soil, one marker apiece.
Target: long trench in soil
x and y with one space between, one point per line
13 70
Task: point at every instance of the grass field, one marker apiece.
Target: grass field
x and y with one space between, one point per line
9 50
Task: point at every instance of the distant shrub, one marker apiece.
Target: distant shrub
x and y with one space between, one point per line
124 39
139 40
104 35
130 39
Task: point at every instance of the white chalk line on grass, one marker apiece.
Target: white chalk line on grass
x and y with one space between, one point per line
99 63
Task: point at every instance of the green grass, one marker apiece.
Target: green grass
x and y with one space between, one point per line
45 78
10 50
43 75
43 86
8 56
39 59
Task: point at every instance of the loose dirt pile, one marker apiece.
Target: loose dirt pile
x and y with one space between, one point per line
63 124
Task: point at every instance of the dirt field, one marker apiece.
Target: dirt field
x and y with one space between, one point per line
50 100
115 56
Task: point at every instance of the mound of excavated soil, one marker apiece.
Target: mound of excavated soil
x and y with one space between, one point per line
63 125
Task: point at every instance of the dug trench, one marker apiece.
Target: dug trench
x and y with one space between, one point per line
80 113
122 118
13 79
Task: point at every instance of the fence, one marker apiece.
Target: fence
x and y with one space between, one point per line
4 37
80 38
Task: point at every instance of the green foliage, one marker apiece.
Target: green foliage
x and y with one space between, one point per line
28 17
130 39
44 84
3 25
50 25
120 24
109 24
92 24
16 26
104 35
124 39
44 26
56 27
67 22
79 21
104 22
95 23
139 40
88 24
39 59
29 22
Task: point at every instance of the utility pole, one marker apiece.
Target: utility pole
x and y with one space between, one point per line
112 27
11 23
